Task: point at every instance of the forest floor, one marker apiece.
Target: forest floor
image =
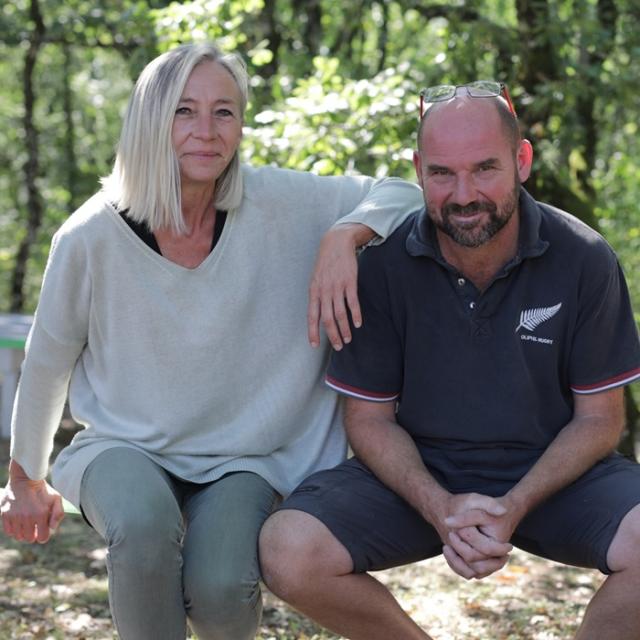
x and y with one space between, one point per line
59 591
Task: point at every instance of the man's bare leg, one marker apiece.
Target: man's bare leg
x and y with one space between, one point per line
614 612
306 566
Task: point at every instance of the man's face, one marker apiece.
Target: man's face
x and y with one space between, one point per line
469 171
474 224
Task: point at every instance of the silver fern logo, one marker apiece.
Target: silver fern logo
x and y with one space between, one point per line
531 318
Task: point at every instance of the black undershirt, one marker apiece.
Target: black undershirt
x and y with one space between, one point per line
142 231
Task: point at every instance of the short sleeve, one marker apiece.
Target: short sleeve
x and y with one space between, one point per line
370 366
606 350
321 201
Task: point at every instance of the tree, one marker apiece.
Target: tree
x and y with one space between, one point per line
58 123
32 163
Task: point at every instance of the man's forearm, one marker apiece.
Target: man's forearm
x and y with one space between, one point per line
391 454
588 437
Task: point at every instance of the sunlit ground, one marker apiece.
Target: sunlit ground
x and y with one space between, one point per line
59 591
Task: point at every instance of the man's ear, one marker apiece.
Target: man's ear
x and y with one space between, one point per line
417 163
524 159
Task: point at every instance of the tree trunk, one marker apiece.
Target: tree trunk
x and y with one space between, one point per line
309 12
70 137
273 36
32 164
383 37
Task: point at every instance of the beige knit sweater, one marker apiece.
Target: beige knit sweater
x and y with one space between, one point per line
205 370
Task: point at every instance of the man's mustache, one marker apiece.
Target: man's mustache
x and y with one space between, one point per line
468 209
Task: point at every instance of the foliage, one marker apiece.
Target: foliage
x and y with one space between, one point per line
335 88
332 124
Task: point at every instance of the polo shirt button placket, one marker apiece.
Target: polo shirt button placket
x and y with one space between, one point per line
481 330
467 293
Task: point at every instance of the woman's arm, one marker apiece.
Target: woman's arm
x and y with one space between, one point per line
333 291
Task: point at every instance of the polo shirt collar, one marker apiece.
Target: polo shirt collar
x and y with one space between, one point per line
422 239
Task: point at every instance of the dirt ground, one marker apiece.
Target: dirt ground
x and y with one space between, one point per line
59 591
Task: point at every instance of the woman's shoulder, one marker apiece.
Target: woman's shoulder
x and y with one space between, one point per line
95 213
269 177
291 187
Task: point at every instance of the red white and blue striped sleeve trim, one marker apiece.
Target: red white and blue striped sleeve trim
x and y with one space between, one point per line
610 383
355 392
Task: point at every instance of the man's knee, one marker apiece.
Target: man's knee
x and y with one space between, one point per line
295 549
623 551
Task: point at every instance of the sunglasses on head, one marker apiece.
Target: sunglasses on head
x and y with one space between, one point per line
477 89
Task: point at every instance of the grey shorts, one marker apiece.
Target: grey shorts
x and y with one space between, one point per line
380 530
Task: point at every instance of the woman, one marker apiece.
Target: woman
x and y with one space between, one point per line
172 309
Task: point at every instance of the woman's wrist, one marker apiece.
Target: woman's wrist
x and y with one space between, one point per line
16 472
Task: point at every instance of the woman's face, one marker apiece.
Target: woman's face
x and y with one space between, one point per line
207 125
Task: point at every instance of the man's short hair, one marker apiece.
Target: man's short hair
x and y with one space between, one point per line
509 122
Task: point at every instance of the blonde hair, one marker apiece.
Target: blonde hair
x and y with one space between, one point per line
145 179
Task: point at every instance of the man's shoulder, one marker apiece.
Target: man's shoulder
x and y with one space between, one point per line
562 226
388 260
395 246
568 235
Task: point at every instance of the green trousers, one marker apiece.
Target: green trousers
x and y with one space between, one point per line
178 552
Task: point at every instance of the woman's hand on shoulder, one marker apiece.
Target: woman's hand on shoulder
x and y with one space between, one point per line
31 510
333 291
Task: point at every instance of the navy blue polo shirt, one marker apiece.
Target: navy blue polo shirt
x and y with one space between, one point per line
485 381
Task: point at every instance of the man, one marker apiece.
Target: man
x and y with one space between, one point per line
484 396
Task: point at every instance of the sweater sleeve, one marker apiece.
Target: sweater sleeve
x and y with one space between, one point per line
321 201
56 340
385 206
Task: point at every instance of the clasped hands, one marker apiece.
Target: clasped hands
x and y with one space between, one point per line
476 530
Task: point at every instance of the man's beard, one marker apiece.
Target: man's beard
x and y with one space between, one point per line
478 234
